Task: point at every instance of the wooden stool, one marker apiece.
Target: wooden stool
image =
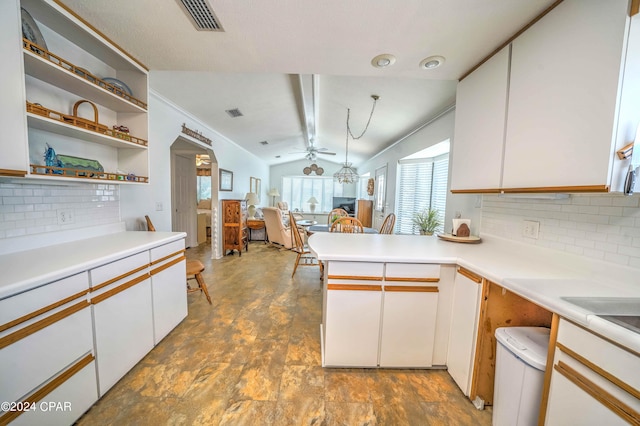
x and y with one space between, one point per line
194 270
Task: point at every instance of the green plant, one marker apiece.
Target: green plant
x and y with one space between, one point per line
428 221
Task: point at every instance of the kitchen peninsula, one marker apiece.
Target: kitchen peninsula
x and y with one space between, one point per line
388 295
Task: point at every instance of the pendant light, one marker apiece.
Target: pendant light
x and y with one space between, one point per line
347 174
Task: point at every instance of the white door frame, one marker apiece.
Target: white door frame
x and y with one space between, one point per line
380 204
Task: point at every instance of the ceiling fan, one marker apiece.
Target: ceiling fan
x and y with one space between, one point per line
311 152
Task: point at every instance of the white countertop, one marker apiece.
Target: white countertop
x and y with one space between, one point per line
540 275
29 269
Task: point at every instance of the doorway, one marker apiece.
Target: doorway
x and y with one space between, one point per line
380 197
189 214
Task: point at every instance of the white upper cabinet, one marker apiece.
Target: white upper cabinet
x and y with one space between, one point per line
481 107
565 86
78 64
572 99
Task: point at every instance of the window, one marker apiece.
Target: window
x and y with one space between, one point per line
422 185
204 187
296 190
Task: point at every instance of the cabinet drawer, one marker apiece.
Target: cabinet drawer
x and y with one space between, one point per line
25 306
355 270
611 358
118 270
37 357
63 400
158 253
419 272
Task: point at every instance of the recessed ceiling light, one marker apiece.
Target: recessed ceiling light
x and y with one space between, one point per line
432 62
383 61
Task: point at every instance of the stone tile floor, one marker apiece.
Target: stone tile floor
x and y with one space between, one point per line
253 358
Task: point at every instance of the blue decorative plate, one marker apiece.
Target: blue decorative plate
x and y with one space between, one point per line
117 83
31 32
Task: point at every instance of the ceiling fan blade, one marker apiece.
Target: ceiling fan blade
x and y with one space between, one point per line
326 153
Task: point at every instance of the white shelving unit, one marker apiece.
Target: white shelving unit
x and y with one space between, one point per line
77 59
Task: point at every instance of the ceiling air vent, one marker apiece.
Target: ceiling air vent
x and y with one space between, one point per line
234 113
202 15
264 143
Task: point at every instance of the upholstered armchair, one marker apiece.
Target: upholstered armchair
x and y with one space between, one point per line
277 232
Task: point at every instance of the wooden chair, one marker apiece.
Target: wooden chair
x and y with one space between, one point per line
336 212
349 225
304 257
194 269
388 224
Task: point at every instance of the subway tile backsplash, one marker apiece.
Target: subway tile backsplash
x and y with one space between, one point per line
27 209
604 227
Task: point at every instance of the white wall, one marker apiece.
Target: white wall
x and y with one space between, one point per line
165 126
436 131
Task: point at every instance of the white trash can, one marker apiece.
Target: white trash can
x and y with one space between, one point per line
521 357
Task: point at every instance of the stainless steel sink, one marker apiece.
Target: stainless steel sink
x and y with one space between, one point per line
622 311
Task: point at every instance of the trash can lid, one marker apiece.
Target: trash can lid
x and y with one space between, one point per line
530 344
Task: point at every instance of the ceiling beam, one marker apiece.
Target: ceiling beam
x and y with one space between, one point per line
308 86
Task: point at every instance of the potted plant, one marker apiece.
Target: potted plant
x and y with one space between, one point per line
428 221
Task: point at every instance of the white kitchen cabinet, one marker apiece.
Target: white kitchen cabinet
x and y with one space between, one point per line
572 91
13 144
75 70
352 314
45 333
593 381
481 108
122 315
410 306
467 292
169 295
567 74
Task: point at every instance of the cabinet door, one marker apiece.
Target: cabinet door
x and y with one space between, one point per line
563 96
122 315
168 286
467 292
13 144
352 325
481 103
408 325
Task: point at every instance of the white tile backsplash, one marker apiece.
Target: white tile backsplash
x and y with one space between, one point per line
28 209
604 227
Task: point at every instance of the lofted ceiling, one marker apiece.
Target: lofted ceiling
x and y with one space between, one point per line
293 67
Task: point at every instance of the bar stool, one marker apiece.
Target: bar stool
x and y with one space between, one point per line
194 272
194 269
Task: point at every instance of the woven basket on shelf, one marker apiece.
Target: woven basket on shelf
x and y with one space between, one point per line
83 122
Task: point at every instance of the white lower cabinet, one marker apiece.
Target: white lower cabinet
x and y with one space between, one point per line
385 315
353 325
169 296
465 312
46 338
593 382
408 326
122 315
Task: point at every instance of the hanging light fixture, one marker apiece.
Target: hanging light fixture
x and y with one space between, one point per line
347 174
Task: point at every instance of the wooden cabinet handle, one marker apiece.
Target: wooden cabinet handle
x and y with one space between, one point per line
413 280
357 287
120 288
167 265
353 277
411 288
467 273
621 409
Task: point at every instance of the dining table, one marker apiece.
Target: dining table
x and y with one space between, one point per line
327 228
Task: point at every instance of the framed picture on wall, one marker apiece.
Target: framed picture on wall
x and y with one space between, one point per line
226 180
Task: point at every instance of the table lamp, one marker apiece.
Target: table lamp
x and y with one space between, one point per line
252 200
312 204
273 192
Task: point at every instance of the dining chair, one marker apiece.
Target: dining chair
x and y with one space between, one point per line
304 257
349 225
194 269
388 224
336 214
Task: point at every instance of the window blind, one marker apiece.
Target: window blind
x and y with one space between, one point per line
422 185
